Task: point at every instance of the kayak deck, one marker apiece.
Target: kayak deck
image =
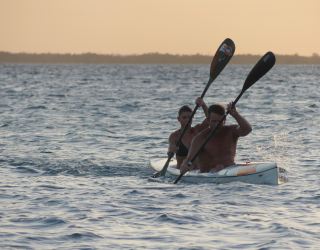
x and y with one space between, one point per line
251 172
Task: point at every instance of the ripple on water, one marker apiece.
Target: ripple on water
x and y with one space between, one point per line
179 196
39 222
27 170
178 219
88 236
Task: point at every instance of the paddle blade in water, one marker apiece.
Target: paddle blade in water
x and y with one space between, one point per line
165 167
260 69
222 57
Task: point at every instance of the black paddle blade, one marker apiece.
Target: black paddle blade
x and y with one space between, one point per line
222 57
260 69
163 171
158 174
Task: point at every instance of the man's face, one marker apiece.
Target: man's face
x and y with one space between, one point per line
214 119
184 118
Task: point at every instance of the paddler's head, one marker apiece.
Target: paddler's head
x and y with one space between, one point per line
184 115
216 112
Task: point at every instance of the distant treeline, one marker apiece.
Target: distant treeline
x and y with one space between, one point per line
150 58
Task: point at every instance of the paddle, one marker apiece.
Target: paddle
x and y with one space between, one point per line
259 70
219 61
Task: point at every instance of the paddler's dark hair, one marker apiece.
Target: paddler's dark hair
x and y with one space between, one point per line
217 108
184 108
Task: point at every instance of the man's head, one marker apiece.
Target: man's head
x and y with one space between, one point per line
184 115
216 113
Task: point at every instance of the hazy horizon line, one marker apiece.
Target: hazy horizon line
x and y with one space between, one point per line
314 54
146 58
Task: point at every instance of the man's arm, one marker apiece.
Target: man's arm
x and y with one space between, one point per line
244 126
194 147
200 102
172 147
205 122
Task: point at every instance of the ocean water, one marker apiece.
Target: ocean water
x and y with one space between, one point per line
75 145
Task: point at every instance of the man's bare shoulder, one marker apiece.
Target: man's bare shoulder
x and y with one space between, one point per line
174 135
231 126
202 135
200 127
233 129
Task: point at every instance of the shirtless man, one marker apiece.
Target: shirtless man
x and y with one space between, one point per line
183 118
220 150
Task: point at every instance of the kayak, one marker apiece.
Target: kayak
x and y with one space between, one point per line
250 172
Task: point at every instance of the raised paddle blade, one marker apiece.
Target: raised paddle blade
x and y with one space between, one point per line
219 61
260 69
222 57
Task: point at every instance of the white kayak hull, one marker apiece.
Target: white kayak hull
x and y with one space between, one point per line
252 172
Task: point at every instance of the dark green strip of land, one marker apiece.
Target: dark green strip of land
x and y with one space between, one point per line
150 58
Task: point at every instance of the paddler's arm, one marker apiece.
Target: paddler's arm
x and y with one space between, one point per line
200 102
205 123
244 126
172 147
186 164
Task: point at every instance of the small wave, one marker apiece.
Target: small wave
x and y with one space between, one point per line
179 196
4 125
40 222
82 236
27 169
51 187
37 107
308 199
46 152
166 218
75 167
133 192
129 107
15 246
53 221
313 106
57 95
180 220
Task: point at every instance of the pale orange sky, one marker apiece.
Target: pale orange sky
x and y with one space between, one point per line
165 26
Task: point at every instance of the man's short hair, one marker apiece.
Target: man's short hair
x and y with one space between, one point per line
184 108
217 108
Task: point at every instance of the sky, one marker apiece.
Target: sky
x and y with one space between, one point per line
163 26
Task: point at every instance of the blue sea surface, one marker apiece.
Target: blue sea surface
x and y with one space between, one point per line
75 146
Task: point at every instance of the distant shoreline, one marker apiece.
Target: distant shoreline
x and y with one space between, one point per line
149 58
